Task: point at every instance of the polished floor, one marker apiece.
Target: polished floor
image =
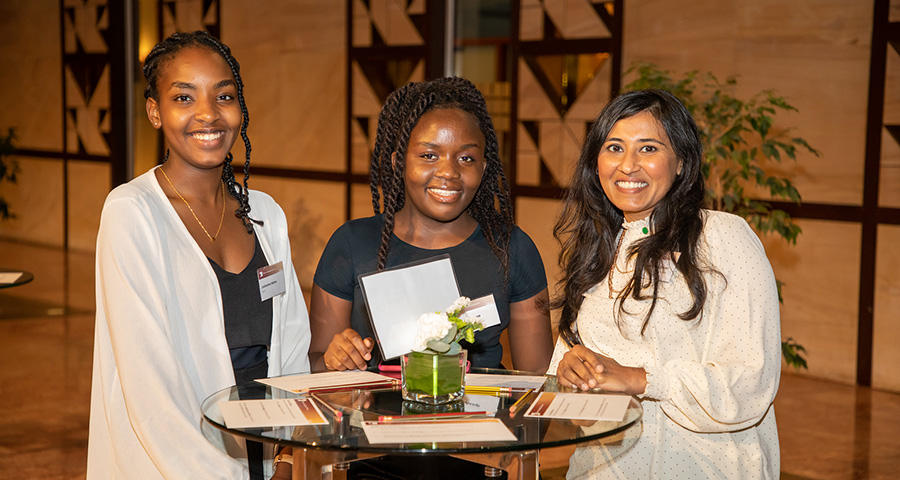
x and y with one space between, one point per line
827 430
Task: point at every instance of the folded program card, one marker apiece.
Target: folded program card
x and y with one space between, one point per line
428 431
397 297
580 406
270 413
327 380
506 381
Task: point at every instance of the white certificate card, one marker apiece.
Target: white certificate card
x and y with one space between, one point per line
430 431
580 406
397 298
270 413
506 381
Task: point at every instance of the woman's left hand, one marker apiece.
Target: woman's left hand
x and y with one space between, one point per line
583 369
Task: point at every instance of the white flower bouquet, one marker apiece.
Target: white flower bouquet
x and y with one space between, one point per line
440 332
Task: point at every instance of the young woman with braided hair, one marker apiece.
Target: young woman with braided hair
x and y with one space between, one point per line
180 312
437 171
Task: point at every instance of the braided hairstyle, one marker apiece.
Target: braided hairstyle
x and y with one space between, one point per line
153 65
491 207
589 223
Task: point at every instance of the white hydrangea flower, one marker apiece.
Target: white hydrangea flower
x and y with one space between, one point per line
459 304
432 326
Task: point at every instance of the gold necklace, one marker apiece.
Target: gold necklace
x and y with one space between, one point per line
212 238
614 267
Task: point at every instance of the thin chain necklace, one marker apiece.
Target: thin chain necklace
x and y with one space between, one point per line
615 267
212 238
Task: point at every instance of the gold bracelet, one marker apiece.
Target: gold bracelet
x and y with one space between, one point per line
283 457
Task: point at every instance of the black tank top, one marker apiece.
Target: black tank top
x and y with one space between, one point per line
248 321
248 331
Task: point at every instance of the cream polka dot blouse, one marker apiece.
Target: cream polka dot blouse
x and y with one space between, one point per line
711 382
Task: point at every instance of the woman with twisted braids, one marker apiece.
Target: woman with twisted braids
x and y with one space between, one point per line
180 312
667 301
437 170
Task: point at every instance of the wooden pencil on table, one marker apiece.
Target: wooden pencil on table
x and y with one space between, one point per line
336 413
520 402
430 416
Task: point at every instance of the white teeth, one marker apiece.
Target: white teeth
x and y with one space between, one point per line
442 192
206 137
630 185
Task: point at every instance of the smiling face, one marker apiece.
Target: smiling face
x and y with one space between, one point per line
444 165
637 165
197 108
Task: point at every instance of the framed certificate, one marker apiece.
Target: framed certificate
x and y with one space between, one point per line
397 297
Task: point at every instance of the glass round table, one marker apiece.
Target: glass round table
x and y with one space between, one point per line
14 278
342 440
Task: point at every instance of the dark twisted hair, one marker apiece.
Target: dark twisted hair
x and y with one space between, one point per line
491 207
589 223
166 50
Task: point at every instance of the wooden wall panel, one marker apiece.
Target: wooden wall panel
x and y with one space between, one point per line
821 294
889 188
30 73
31 103
293 63
362 201
885 354
88 185
314 210
37 201
536 216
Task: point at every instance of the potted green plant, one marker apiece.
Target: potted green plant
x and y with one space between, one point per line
8 169
740 139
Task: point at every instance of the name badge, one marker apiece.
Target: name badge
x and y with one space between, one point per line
271 281
485 310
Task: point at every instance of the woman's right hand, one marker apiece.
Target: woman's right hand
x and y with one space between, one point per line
348 351
581 368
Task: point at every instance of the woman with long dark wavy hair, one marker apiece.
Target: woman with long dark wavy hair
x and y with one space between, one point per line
667 301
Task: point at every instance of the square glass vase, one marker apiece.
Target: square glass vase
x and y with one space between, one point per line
433 379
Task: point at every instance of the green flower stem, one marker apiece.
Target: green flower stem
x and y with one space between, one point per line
433 374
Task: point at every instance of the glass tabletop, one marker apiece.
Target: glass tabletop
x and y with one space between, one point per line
345 433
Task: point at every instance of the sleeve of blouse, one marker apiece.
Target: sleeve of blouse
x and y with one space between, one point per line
335 273
733 376
558 352
162 405
295 335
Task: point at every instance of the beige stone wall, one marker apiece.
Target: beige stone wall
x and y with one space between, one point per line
886 355
31 102
293 64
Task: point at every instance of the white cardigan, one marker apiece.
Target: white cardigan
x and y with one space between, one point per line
159 340
708 405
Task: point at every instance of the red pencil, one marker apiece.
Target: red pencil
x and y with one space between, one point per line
334 412
427 416
352 386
